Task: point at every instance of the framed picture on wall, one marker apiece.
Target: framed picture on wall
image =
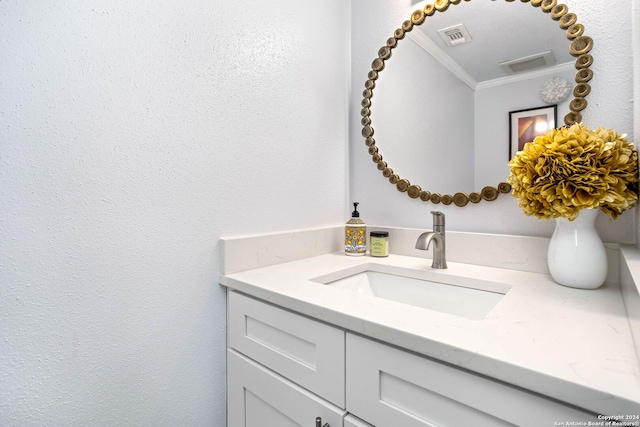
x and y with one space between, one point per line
525 125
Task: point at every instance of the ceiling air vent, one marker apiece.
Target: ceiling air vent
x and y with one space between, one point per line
455 35
542 59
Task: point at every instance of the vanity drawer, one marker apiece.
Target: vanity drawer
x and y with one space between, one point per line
387 386
304 351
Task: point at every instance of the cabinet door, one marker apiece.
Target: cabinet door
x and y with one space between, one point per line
257 397
307 352
390 387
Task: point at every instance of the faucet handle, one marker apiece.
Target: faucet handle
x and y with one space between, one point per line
438 218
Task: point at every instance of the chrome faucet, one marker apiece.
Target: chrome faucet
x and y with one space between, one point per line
437 236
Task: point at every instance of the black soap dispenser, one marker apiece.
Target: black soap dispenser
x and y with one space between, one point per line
355 236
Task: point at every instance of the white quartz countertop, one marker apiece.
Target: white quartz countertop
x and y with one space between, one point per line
570 344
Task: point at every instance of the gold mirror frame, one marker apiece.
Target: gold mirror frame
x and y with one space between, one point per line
579 47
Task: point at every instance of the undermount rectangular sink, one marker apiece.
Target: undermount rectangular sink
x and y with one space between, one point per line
461 296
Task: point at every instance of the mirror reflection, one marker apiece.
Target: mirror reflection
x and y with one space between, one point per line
440 105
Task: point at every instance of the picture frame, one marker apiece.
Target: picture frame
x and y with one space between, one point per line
525 125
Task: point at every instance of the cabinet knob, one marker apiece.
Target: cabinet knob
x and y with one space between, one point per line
319 423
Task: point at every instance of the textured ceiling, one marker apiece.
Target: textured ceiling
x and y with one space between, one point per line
500 31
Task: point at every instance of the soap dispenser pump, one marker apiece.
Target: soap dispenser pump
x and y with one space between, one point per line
355 236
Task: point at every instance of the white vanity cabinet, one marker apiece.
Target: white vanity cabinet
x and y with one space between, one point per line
387 386
285 369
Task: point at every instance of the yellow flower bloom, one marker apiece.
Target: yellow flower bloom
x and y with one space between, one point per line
574 168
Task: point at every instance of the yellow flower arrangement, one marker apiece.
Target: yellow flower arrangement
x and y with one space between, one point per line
574 168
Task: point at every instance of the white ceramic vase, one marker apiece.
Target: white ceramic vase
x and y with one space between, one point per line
577 256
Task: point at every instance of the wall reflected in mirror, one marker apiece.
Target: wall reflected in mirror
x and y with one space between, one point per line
441 111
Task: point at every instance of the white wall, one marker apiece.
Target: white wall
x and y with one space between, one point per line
408 110
492 106
133 134
373 22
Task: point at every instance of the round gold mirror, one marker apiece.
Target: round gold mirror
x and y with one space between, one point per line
556 15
